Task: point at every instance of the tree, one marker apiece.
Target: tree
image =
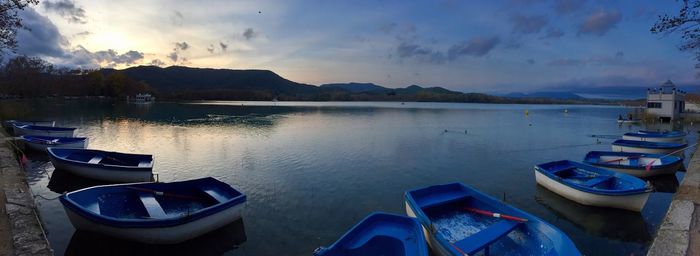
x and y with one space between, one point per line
687 22
10 22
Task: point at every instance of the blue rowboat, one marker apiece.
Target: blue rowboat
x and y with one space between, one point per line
635 164
593 186
158 213
647 147
40 143
43 130
103 165
454 223
11 123
380 234
672 136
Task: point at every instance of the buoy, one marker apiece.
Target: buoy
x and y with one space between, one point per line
527 113
566 111
465 131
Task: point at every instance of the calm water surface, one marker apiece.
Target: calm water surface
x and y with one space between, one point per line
312 170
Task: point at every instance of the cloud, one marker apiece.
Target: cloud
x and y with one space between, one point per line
67 9
600 22
568 6
615 60
173 56
177 19
81 34
249 34
41 38
530 61
565 62
553 33
223 46
528 24
476 47
388 28
420 53
210 48
112 58
181 46
157 62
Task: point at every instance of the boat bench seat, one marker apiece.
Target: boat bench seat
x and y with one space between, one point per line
595 181
144 164
95 160
485 237
218 197
152 206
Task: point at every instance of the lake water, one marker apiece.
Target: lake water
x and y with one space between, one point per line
312 170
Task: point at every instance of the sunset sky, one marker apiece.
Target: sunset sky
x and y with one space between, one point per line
483 46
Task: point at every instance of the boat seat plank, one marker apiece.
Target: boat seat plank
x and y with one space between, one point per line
595 181
152 206
215 195
95 160
563 169
144 164
484 238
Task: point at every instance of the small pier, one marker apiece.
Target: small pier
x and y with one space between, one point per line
21 232
679 232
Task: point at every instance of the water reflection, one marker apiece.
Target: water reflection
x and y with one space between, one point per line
610 223
62 181
217 242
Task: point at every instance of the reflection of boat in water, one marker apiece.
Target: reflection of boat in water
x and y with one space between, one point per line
62 181
216 242
664 183
611 223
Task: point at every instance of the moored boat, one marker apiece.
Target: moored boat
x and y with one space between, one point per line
628 121
158 213
10 123
655 136
103 165
635 164
43 130
593 186
635 146
380 234
40 143
460 220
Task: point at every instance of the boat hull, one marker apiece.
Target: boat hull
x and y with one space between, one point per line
159 235
97 173
643 173
634 202
652 139
42 147
662 151
22 131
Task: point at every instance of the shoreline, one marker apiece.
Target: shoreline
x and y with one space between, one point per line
21 232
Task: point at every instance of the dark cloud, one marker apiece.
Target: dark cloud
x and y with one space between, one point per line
177 18
84 33
419 53
476 47
568 6
530 61
41 38
619 54
173 56
157 62
249 34
565 62
223 46
528 24
210 48
68 10
183 46
111 58
553 33
600 22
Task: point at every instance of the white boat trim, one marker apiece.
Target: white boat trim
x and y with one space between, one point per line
654 139
435 247
661 151
18 130
160 235
633 202
105 175
43 147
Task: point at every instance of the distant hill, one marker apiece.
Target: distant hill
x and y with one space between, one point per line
547 95
356 87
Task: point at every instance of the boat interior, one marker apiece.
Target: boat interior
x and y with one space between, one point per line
99 158
590 179
379 234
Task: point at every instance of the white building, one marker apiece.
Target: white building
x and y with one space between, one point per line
666 102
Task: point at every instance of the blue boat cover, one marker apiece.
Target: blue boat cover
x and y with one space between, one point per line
380 234
152 205
447 212
592 179
648 144
50 140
